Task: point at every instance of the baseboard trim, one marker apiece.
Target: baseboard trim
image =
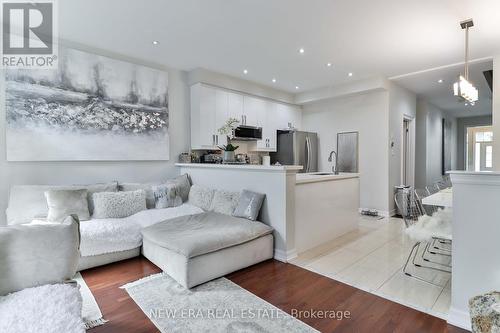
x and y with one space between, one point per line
283 256
459 318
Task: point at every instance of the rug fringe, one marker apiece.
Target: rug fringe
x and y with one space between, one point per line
95 323
144 279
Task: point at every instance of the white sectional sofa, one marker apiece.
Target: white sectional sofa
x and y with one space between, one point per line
105 241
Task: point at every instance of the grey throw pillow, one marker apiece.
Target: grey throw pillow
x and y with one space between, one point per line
249 205
166 195
183 184
225 202
201 197
63 203
118 204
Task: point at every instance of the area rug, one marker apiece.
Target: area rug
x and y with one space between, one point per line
216 306
91 313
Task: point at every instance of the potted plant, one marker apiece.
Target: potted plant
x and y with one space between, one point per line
229 152
228 128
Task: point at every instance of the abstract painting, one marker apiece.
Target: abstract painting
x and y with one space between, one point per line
91 108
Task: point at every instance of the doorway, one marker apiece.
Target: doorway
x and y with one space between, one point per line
479 154
407 152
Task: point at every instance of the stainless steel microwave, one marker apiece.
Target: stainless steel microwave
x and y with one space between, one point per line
247 133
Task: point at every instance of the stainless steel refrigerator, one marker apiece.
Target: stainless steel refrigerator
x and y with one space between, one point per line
297 148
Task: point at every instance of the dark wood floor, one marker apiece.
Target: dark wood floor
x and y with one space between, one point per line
283 285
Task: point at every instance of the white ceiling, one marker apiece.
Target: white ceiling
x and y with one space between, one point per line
427 86
366 37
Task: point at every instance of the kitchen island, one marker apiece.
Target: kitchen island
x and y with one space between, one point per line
326 207
326 203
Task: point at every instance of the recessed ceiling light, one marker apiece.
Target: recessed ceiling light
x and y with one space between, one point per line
274 80
297 87
301 50
329 64
466 104
350 74
440 81
155 42
245 71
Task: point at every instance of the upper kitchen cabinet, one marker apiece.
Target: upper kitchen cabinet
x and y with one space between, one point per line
266 118
288 116
209 112
251 108
211 107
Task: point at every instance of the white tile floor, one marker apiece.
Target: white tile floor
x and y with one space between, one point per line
371 258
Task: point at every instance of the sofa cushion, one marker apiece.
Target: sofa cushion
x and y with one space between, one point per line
34 254
118 204
27 202
201 196
249 205
63 203
199 234
166 195
183 184
146 187
224 202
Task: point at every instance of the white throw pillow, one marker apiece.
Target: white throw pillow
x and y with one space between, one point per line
118 204
63 203
225 202
201 197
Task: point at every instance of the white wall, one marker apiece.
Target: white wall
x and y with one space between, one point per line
429 143
367 114
402 103
475 261
496 112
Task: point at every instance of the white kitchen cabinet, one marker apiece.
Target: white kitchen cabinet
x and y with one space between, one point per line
251 107
288 116
209 108
235 106
221 115
266 118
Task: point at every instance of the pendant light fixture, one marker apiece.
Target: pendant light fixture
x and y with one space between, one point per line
463 88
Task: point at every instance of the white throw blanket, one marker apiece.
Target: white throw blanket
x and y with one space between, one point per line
100 236
46 309
427 227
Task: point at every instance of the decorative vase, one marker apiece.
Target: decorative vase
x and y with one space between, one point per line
228 156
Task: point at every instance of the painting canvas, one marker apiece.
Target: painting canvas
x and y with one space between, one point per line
90 108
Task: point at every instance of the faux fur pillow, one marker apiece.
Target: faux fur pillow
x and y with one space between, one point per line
201 197
118 204
225 202
166 195
63 203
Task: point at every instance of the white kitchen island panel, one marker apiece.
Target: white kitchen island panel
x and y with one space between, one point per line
326 207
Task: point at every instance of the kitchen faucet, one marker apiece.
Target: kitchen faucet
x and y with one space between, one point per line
334 166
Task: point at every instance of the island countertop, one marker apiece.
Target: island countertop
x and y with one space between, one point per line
322 177
246 167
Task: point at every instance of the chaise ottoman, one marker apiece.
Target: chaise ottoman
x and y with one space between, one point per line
197 248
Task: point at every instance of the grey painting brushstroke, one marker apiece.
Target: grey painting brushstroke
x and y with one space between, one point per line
91 108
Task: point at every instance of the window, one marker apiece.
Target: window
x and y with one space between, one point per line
489 156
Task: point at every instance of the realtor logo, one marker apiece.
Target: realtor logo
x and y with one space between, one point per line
29 33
